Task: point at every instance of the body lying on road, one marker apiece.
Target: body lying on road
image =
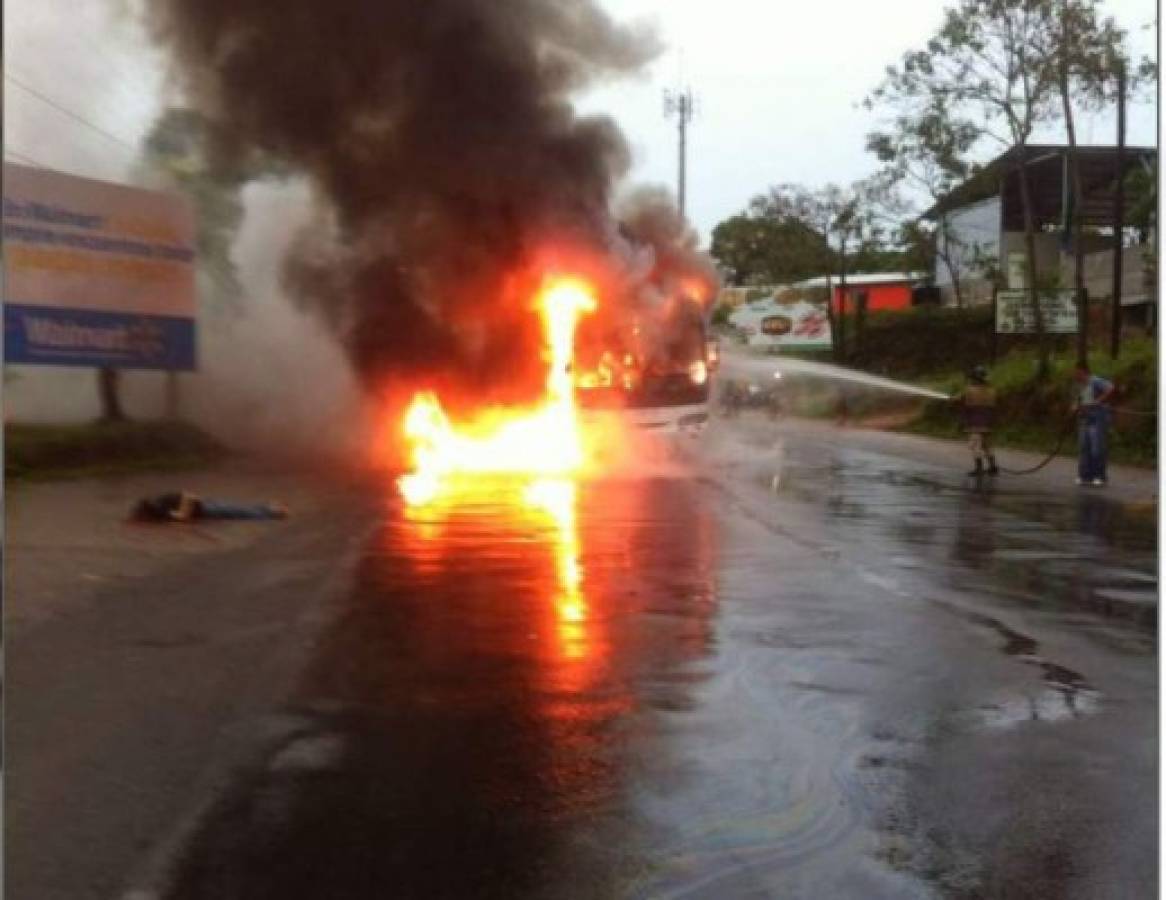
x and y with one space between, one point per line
183 506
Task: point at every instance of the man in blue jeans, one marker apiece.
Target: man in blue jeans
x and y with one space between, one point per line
1093 417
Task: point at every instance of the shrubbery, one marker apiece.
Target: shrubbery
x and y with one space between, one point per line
929 339
33 451
1032 413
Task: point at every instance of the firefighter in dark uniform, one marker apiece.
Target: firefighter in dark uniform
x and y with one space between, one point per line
978 404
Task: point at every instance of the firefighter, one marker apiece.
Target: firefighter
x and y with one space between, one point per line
978 406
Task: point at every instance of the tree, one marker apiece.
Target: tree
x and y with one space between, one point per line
1083 52
918 245
1141 186
1087 55
814 209
757 247
108 392
847 219
926 154
983 70
863 211
1142 191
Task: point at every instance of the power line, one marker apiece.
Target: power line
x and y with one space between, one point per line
68 112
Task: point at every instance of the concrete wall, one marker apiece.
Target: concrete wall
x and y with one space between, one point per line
48 395
973 232
1137 287
973 292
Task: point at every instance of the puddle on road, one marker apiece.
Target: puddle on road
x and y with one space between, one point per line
1062 694
309 753
1055 551
1049 706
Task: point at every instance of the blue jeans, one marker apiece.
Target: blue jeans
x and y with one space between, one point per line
214 509
1091 446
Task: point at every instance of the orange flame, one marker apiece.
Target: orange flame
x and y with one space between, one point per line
556 497
543 441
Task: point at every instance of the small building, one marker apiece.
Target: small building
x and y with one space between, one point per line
873 291
980 226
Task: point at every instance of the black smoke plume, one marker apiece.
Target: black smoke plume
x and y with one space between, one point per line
440 137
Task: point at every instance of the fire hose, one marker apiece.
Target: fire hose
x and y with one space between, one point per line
1065 431
1068 427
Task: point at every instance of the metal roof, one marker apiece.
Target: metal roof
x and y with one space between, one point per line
1046 172
859 278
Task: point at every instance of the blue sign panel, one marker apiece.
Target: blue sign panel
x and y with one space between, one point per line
83 337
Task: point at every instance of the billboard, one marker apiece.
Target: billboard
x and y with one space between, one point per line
96 274
1014 313
794 318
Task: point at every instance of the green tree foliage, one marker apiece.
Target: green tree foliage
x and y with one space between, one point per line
1141 188
907 255
1084 54
851 221
925 155
764 247
983 70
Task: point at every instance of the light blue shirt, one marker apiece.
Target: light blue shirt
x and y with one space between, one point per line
1095 415
1093 388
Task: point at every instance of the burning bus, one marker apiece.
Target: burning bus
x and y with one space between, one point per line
653 371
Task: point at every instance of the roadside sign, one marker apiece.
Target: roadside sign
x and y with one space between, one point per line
1014 313
96 274
783 317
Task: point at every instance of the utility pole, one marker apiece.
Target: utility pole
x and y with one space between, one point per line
680 104
1118 211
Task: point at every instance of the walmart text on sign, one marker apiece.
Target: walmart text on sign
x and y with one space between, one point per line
96 274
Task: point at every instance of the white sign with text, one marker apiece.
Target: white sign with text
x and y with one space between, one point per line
1014 313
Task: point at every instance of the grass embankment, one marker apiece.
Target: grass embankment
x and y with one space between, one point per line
35 452
1031 413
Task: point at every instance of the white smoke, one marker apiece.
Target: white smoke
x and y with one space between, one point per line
270 379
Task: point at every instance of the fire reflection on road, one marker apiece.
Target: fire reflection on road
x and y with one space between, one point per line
502 683
542 511
557 497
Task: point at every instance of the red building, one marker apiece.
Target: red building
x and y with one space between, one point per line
877 290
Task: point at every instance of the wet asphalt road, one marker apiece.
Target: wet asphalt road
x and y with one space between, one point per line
783 661
785 667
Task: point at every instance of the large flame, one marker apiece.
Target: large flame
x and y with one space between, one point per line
545 440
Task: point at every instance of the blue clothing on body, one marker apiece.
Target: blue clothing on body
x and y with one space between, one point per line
1087 398
214 509
1092 432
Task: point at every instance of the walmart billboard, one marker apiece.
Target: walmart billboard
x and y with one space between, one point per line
96 274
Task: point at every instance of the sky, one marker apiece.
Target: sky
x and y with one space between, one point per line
778 89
